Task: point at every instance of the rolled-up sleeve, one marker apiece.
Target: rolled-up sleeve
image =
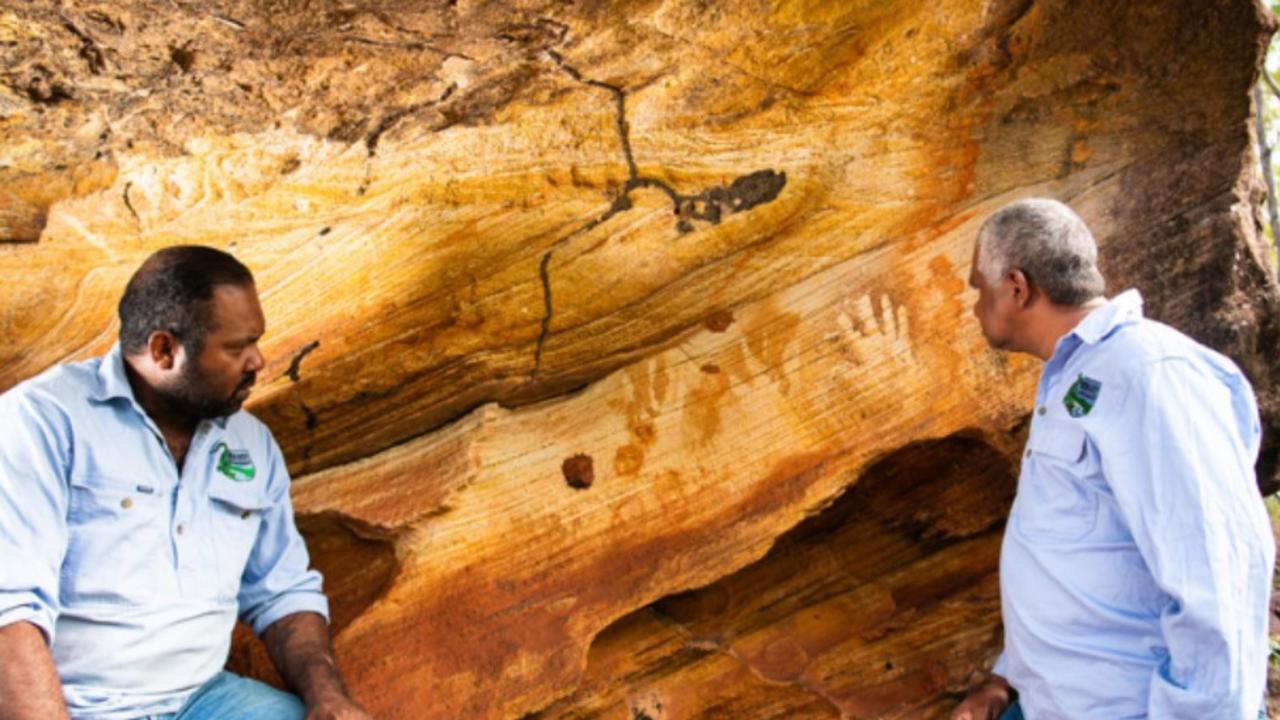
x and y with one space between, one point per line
277 580
34 457
1181 470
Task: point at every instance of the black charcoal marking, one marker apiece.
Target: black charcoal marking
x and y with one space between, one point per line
295 365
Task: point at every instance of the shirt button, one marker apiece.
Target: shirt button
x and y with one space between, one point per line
126 503
1043 410
245 515
179 529
1028 452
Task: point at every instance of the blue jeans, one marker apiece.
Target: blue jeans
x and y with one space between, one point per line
230 697
1015 713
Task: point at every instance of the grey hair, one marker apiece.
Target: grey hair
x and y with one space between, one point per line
1049 243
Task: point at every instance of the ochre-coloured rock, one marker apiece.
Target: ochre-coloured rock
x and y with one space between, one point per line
876 607
623 352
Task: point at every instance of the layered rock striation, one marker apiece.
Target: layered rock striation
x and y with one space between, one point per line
622 351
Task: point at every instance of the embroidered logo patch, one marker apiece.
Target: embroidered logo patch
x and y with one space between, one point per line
237 465
1081 397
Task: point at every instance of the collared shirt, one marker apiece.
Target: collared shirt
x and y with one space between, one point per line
136 571
1136 567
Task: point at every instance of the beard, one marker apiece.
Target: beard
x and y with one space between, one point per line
192 396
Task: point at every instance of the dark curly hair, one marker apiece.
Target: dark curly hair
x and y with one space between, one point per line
171 292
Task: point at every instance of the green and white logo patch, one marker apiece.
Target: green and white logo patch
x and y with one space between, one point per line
1082 396
237 465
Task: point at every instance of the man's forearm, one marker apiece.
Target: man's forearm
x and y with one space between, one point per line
29 685
300 647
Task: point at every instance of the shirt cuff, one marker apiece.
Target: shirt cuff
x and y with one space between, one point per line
288 604
31 612
1001 667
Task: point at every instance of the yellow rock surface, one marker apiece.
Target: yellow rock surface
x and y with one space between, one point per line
592 326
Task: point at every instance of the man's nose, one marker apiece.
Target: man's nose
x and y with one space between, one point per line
255 362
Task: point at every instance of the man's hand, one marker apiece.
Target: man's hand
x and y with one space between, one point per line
29 685
340 708
300 648
985 702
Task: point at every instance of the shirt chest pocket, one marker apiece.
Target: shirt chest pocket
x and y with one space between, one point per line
236 512
1055 499
117 547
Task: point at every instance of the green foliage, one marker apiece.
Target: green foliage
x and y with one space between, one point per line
1270 114
1273 510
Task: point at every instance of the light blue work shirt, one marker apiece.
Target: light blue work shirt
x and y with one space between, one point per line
134 571
1135 574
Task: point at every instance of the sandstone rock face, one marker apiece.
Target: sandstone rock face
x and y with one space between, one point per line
622 351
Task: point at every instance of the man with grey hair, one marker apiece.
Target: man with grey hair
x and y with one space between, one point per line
1135 573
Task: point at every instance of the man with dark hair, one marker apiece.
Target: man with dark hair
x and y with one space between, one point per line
141 511
1135 574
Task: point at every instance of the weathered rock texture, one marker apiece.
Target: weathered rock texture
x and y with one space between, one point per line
622 350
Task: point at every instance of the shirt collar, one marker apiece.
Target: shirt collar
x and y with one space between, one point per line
1123 309
114 383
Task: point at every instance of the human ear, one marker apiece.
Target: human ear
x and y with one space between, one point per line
162 347
1021 287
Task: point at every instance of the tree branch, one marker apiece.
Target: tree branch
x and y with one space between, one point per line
1264 157
1271 84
